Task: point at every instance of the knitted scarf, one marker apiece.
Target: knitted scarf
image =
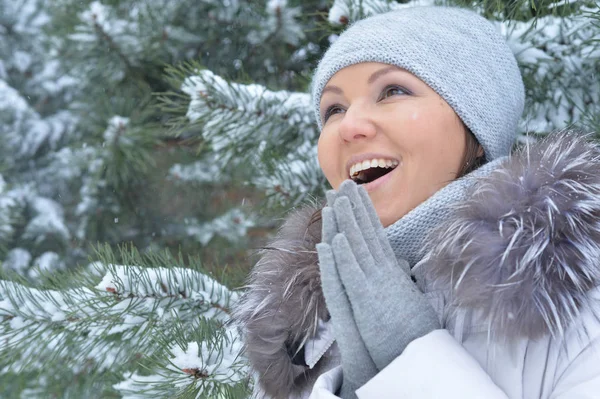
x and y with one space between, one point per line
408 235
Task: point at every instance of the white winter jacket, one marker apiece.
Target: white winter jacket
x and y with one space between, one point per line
440 365
514 275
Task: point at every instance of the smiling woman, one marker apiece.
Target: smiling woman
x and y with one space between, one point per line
442 265
373 112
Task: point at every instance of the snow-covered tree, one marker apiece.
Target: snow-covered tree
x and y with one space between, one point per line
182 126
153 331
87 156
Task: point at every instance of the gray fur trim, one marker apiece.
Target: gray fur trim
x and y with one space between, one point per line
524 249
281 307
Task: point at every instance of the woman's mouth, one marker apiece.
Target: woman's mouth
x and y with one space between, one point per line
371 171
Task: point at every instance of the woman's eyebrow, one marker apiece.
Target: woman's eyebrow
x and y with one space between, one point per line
374 76
333 89
377 74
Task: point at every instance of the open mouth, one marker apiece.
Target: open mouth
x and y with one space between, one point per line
367 172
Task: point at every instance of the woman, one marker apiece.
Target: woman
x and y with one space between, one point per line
443 267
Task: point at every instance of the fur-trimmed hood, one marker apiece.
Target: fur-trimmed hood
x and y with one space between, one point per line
282 306
524 248
523 251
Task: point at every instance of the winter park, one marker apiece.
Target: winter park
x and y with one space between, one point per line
299 199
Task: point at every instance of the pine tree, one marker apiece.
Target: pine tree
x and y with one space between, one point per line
150 122
87 154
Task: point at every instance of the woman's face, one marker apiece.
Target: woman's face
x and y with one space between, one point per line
374 111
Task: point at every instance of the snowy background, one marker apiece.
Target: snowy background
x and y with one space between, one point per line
150 146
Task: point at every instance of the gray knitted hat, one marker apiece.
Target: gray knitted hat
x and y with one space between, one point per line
458 53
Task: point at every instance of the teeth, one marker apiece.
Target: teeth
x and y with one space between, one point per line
373 163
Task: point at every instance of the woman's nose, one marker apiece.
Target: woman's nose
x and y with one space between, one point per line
356 125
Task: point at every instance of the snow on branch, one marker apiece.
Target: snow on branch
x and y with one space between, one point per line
282 21
344 12
296 178
207 170
23 130
236 114
100 25
248 124
232 225
7 215
562 56
174 283
210 368
108 323
41 225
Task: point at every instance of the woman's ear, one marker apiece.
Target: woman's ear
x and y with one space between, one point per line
480 151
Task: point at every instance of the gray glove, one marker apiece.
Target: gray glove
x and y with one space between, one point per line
388 308
357 365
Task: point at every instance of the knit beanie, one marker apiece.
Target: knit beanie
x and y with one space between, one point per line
456 52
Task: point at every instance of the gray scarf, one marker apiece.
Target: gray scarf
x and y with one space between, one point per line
408 235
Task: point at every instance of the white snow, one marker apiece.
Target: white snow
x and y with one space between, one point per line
164 295
22 60
242 119
17 259
96 14
557 50
232 225
11 99
124 33
339 12
283 21
116 126
204 171
166 283
297 176
273 6
348 11
48 219
220 363
46 263
135 386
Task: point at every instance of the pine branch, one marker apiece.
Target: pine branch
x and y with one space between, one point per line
9 212
246 124
559 53
345 12
197 366
247 109
296 179
232 225
132 312
103 34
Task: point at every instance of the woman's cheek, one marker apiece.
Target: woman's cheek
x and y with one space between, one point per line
326 157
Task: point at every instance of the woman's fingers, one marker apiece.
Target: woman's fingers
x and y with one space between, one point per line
329 226
388 252
363 219
349 228
351 274
333 289
331 195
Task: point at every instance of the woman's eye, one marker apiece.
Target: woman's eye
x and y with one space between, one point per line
332 110
392 91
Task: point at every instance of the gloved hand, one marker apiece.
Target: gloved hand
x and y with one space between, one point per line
357 365
388 308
